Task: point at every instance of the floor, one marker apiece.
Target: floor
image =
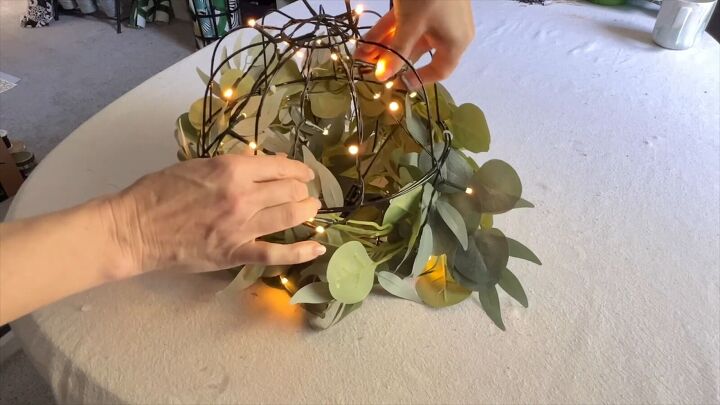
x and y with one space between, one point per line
69 71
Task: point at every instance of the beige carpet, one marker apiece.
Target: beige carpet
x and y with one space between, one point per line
70 70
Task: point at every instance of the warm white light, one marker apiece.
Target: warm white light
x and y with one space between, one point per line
284 280
251 22
413 94
352 41
253 145
319 229
319 42
380 67
468 190
228 93
353 149
376 96
311 219
394 106
359 9
326 132
333 56
243 115
389 85
299 54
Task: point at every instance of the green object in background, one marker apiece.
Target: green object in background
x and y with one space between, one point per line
609 2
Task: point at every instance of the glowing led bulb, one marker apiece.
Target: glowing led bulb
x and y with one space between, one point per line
389 85
413 94
326 132
253 145
284 280
376 96
359 9
319 42
311 219
352 41
380 68
251 22
353 149
299 54
333 56
394 106
228 93
468 190
319 229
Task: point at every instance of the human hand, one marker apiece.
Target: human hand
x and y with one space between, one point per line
414 27
206 214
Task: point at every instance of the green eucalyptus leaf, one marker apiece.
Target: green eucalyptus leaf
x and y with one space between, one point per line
350 273
522 203
233 80
493 246
424 251
270 108
397 286
195 114
444 101
486 221
454 221
223 56
468 208
331 191
247 277
470 129
286 73
470 269
512 286
215 89
313 293
491 305
517 249
333 314
437 288
325 103
402 205
417 128
496 187
238 44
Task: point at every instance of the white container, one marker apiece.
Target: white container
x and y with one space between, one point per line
680 22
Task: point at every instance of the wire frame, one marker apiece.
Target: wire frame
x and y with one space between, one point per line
322 32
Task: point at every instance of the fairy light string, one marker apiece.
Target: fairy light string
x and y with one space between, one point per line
284 44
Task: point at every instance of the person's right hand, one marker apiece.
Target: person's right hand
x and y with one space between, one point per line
414 27
206 214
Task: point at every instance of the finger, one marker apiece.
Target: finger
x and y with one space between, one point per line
277 254
442 65
278 192
278 218
378 33
403 43
268 168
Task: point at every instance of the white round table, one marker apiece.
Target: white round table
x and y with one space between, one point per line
617 141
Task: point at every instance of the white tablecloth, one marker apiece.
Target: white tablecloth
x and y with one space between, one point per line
617 142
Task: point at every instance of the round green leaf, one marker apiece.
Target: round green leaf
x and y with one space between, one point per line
195 114
470 129
350 273
436 286
493 246
496 187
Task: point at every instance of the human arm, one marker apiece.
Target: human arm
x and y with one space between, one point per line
200 215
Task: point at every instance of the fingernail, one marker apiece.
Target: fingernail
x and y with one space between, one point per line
311 174
318 203
319 250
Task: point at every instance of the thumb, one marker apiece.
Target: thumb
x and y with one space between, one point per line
403 43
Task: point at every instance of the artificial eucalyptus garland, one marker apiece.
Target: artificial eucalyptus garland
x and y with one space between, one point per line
404 207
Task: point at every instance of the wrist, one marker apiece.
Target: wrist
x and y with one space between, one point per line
119 224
